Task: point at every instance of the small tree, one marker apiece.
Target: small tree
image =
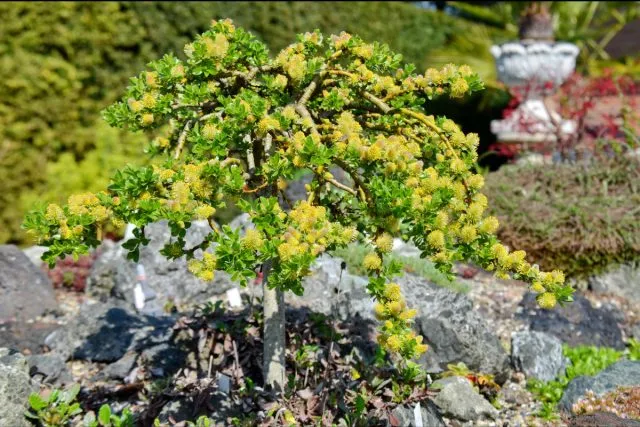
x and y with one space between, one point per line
241 124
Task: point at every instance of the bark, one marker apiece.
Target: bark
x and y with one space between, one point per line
274 334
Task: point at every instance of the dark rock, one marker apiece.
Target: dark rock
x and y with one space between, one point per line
622 281
601 419
163 359
453 330
104 333
458 399
15 388
431 416
620 374
577 323
537 354
25 291
113 276
120 369
26 336
49 368
177 410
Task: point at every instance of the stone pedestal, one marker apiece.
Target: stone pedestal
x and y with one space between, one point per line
535 69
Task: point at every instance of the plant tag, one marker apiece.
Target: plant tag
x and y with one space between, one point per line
233 295
224 383
417 415
138 296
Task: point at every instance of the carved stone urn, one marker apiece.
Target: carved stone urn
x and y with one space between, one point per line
534 67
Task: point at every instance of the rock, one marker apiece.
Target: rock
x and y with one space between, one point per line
453 330
25 291
15 388
113 276
431 416
599 419
620 374
120 369
104 333
49 368
537 354
26 336
623 281
458 399
326 286
514 393
34 253
163 359
577 323
242 223
405 249
635 330
178 409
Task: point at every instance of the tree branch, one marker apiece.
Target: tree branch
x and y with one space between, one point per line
183 138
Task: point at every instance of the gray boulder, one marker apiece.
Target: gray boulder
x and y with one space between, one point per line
113 276
458 399
537 354
15 388
49 368
577 323
600 419
119 369
453 330
623 281
25 291
34 253
105 333
620 374
431 417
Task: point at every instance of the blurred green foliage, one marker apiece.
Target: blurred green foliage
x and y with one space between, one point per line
61 63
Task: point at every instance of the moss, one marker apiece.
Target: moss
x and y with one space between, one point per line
579 219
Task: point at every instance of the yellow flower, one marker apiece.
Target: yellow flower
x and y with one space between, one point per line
372 262
459 87
457 166
177 71
204 212
209 131
252 239
384 243
152 78
379 310
218 47
537 287
147 119
148 100
489 225
396 307
393 343
135 105
546 300
441 221
161 142
393 292
408 314
475 182
436 239
468 234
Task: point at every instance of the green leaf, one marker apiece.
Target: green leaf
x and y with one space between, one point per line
37 402
104 415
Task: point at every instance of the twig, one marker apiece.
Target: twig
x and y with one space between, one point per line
182 138
238 368
377 102
342 186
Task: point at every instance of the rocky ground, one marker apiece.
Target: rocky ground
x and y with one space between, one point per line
171 361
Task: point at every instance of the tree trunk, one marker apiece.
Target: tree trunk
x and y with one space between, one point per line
273 367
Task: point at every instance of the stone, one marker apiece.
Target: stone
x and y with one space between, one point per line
34 253
458 399
453 330
600 419
177 410
105 333
49 368
635 330
15 388
514 393
163 359
620 374
577 323
537 354
431 416
25 291
113 276
622 281
120 369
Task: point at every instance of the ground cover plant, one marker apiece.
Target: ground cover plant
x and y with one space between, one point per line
558 226
585 360
242 123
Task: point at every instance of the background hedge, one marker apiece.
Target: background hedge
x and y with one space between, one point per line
573 217
61 63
